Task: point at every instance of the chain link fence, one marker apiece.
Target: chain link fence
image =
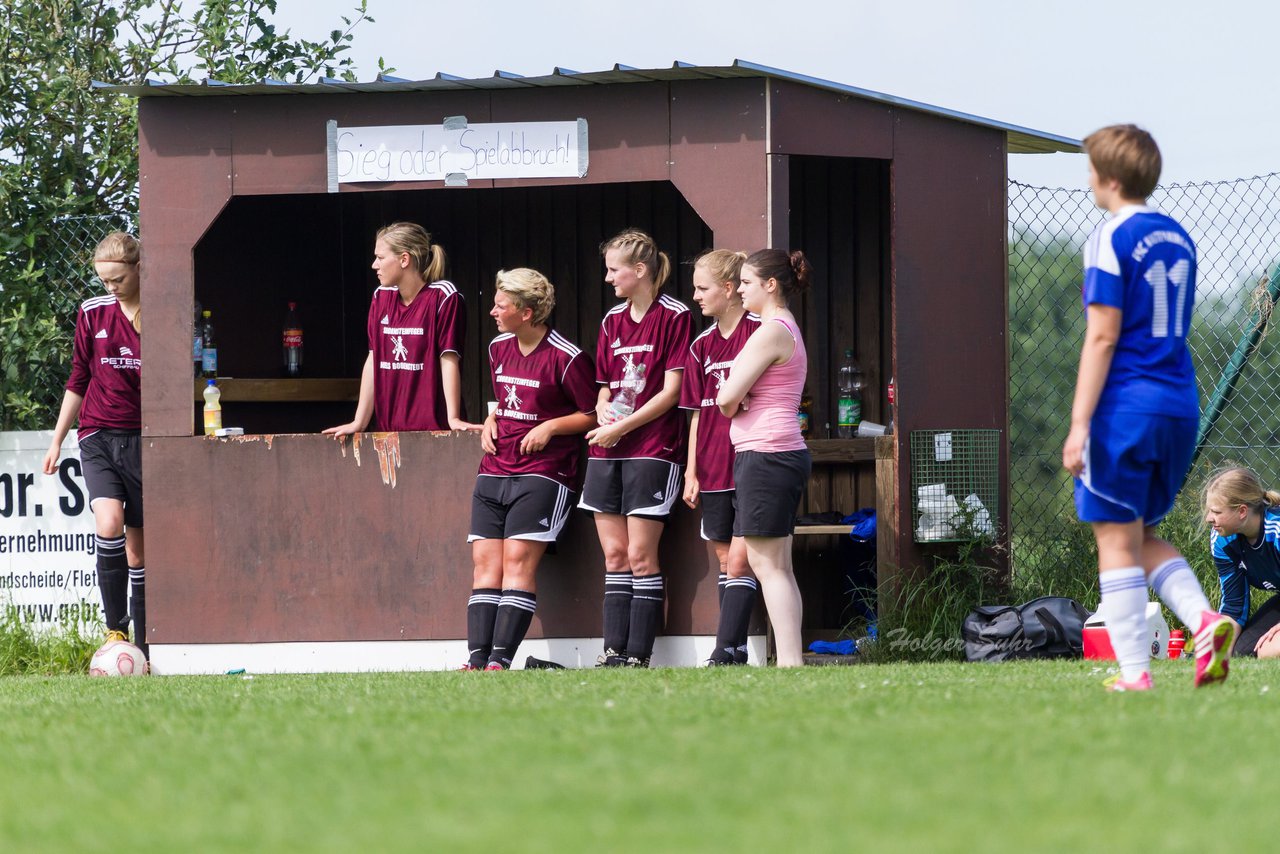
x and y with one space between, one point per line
38 315
1236 228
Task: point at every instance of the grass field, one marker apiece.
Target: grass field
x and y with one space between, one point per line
895 757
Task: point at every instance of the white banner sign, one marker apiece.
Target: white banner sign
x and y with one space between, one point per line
455 152
47 555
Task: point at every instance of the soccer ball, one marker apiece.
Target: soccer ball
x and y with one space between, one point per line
118 658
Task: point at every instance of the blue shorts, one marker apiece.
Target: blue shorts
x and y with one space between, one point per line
1134 465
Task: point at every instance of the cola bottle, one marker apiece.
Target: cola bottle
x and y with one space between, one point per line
292 342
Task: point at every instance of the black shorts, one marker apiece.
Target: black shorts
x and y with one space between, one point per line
112 463
718 510
518 508
1259 623
769 488
645 488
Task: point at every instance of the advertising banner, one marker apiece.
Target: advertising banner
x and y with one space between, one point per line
47 559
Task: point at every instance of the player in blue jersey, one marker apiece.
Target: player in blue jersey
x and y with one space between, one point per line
1135 411
1246 549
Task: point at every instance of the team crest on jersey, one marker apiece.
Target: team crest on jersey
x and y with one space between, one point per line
102 333
719 378
399 352
512 400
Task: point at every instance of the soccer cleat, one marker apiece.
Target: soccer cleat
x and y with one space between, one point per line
642 663
494 665
116 635
1118 684
468 666
611 658
1213 645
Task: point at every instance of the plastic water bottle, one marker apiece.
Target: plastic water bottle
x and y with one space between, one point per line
623 402
849 408
212 408
292 342
209 355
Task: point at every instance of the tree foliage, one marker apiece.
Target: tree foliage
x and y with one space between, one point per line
68 151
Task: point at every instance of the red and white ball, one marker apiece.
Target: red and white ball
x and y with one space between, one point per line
118 658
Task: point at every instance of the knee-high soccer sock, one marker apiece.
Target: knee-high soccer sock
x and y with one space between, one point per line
646 615
720 583
1124 607
745 595
735 613
113 582
482 611
514 615
617 611
138 607
1176 583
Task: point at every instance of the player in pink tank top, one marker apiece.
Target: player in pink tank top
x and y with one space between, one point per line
771 470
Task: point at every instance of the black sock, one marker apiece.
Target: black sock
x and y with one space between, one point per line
646 615
482 611
617 610
514 615
113 583
138 607
735 619
720 582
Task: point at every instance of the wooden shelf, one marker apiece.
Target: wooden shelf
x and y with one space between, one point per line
250 390
859 450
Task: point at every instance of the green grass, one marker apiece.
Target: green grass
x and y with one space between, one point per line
900 757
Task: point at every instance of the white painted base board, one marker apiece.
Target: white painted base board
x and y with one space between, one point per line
375 656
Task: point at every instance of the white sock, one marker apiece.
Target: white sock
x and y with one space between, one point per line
1124 607
1175 583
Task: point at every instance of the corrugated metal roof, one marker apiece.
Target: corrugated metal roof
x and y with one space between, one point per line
1021 140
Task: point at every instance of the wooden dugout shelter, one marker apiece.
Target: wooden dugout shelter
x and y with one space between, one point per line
285 550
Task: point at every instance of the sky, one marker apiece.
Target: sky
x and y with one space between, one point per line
1200 76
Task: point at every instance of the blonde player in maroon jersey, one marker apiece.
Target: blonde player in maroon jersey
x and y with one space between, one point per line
546 400
412 378
708 478
772 465
105 392
633 473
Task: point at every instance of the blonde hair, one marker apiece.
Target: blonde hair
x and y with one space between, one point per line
412 239
1238 486
528 289
119 247
722 265
637 247
1127 154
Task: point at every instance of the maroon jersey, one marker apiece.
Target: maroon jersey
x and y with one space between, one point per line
106 368
407 342
556 379
710 358
659 343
